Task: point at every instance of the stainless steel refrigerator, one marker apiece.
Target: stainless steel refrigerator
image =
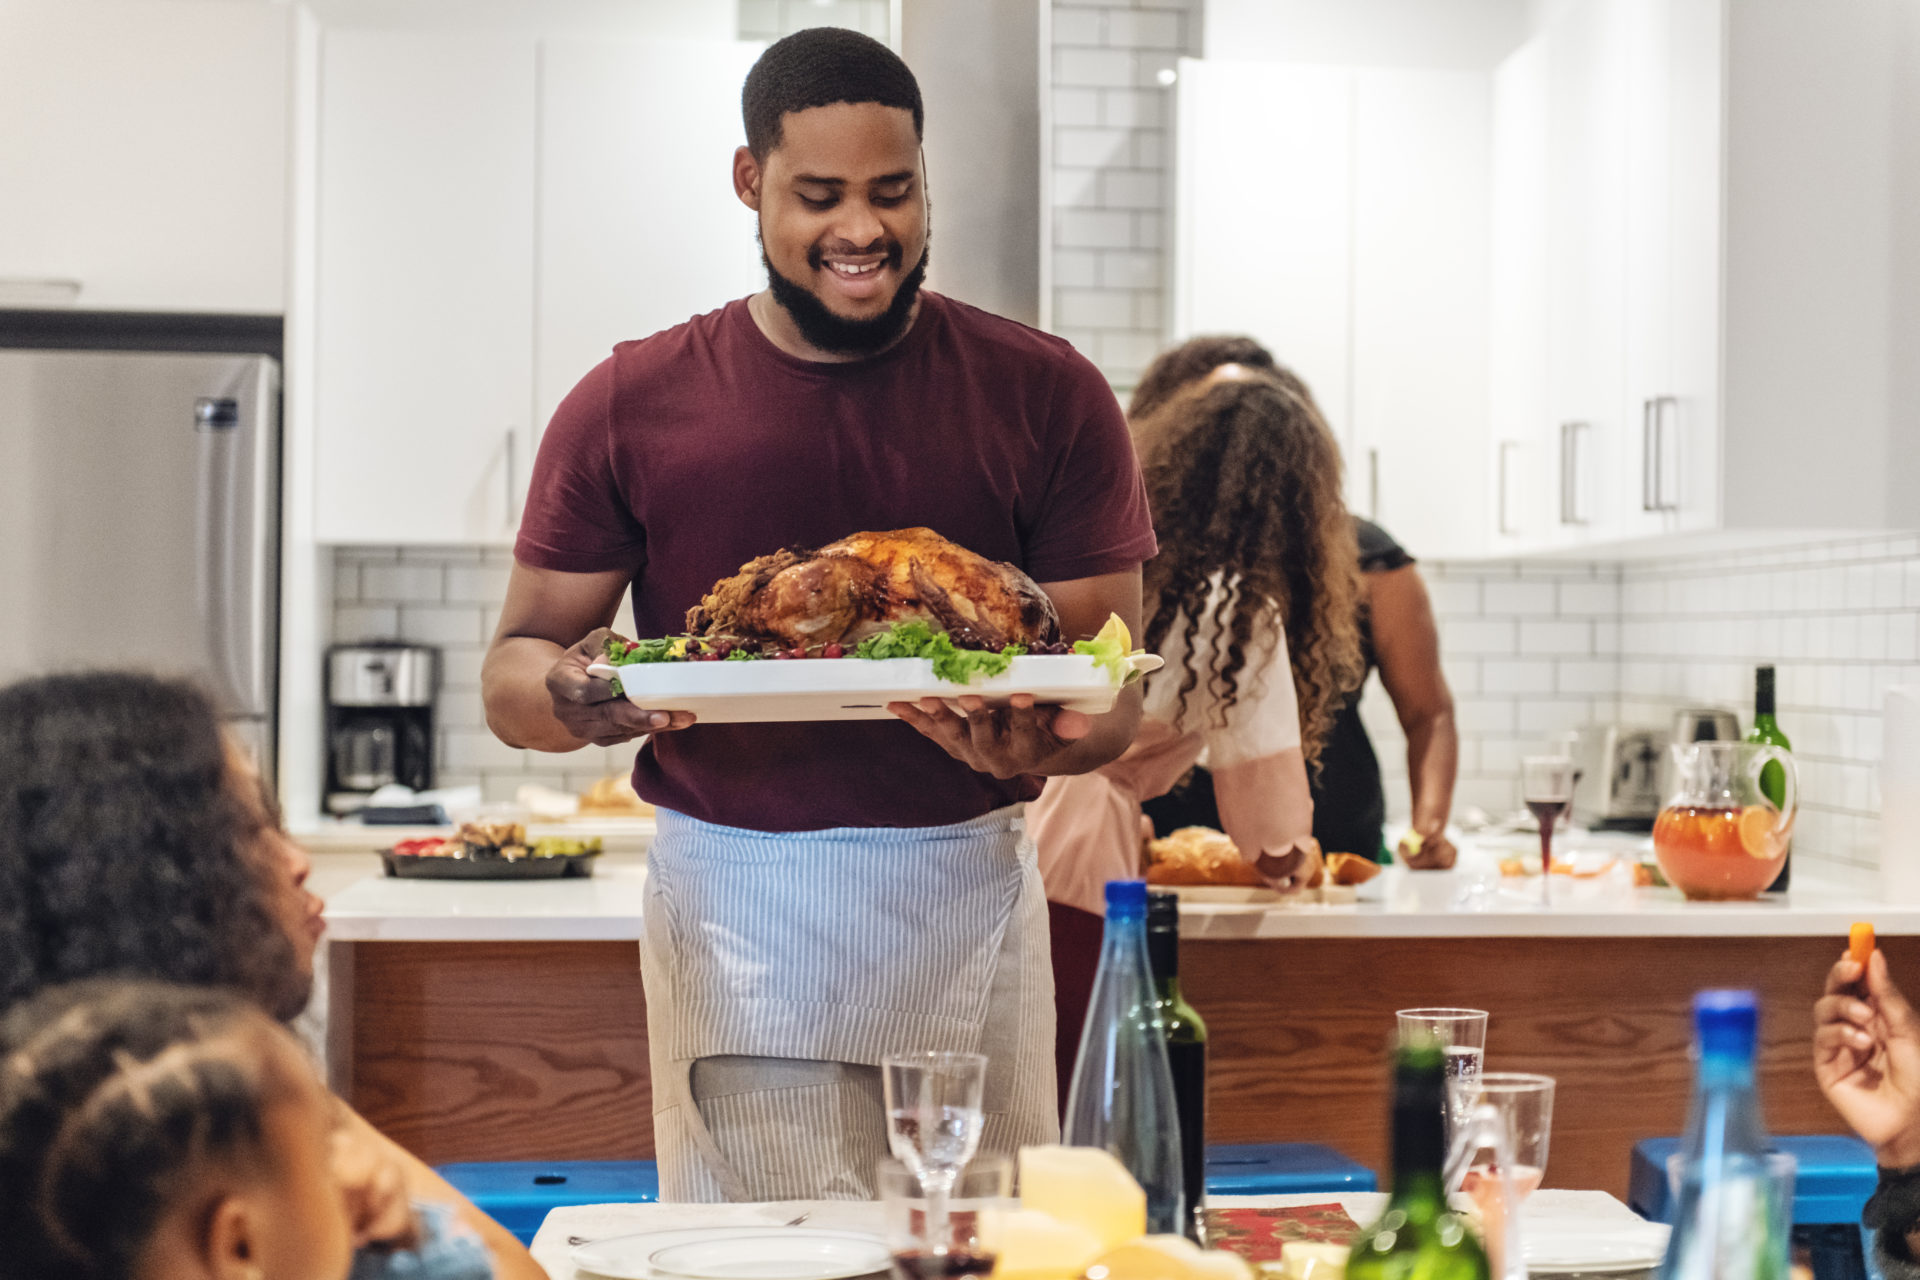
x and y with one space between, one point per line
140 522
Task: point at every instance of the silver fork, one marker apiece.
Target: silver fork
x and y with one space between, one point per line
577 1241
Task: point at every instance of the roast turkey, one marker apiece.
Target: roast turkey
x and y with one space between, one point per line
861 585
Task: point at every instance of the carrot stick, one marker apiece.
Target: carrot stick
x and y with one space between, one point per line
1860 943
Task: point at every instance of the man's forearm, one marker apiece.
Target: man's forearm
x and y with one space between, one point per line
1433 758
513 686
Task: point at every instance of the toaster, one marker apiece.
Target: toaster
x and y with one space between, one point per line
1618 772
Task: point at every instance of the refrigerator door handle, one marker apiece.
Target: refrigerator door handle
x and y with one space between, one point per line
216 428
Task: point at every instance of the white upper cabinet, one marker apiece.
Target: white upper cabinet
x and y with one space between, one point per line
1266 249
1318 256
424 390
1527 502
144 154
639 226
1717 220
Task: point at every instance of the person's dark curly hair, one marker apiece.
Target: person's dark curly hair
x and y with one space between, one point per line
818 67
127 848
113 1095
1244 481
1197 357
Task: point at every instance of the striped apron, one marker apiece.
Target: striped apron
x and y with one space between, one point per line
781 967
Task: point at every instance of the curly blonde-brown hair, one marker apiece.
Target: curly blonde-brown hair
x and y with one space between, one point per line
1244 480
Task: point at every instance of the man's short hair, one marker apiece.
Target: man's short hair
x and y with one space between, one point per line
818 67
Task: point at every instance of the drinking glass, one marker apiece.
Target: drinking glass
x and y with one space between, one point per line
1460 1033
1546 784
933 1116
1499 1154
963 1237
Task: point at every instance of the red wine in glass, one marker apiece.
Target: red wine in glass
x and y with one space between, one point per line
1547 814
918 1265
1546 785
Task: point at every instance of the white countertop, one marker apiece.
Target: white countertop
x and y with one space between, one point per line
1475 901
1554 1215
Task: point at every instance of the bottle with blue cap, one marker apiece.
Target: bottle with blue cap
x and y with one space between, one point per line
1734 1199
1122 1095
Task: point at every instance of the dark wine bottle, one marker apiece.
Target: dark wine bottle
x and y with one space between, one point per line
1773 779
1417 1235
1186 1054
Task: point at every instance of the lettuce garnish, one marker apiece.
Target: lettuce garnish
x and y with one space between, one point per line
915 639
1110 649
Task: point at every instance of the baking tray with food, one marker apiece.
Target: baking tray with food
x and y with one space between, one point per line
491 851
838 632
1204 865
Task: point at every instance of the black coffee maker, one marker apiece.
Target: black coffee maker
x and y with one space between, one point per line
379 720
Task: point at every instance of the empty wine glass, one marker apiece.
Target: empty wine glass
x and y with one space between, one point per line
933 1118
1546 784
1460 1033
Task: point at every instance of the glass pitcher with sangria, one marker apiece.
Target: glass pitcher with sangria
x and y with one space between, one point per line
1720 835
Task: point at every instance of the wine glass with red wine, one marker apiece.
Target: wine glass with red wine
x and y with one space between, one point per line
1546 784
953 1233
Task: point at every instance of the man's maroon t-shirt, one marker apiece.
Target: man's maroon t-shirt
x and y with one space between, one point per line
687 454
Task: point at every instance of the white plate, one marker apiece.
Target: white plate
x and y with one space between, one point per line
1556 1249
853 688
792 1254
625 1257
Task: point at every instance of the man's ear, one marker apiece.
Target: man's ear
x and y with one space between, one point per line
746 178
231 1246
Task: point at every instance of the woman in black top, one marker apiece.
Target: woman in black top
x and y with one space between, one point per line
1398 635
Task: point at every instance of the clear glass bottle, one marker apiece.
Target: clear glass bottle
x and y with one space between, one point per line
1418 1237
1730 1222
1122 1095
1186 1054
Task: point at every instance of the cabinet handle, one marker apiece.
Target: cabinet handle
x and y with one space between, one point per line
1506 450
1649 455
1669 490
512 469
1570 506
1373 484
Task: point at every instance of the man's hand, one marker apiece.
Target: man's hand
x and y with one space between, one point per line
1428 853
374 1184
587 707
1866 1055
1005 741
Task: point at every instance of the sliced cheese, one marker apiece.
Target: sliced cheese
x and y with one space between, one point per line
1167 1258
1039 1246
1086 1186
1311 1260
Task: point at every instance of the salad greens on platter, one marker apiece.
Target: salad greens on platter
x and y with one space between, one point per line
1109 650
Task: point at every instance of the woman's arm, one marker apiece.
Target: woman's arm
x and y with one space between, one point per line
1267 811
511 1261
1407 641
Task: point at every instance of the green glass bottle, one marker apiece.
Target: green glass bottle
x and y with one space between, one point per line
1186 1053
1418 1237
1773 779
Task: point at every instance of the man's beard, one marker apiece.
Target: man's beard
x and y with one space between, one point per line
829 332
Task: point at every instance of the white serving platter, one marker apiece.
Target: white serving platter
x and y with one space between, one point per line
628 1257
855 688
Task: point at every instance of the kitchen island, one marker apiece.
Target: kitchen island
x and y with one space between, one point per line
505 1020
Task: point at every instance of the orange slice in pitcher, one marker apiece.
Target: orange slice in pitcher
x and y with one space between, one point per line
1757 835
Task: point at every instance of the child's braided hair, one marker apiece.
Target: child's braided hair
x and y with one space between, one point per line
114 1094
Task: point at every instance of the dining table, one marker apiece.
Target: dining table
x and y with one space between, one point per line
1560 1214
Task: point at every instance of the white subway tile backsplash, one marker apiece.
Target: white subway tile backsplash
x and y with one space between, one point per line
401 583
363 622
1091 229
1556 637
1518 598
1084 27
1078 107
1484 636
1144 29
1133 108
1090 149
1078 268
1599 599
1516 676
1094 68
442 624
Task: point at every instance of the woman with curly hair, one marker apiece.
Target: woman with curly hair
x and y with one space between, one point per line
1251 601
1398 635
136 842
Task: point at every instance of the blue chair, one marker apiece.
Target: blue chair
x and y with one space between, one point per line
1833 1178
519 1194
1282 1168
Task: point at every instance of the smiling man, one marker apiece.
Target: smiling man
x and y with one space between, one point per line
822 895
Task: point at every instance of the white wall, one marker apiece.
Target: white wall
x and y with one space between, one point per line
1457 34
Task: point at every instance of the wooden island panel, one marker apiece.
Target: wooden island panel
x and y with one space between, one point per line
502 1050
538 1050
